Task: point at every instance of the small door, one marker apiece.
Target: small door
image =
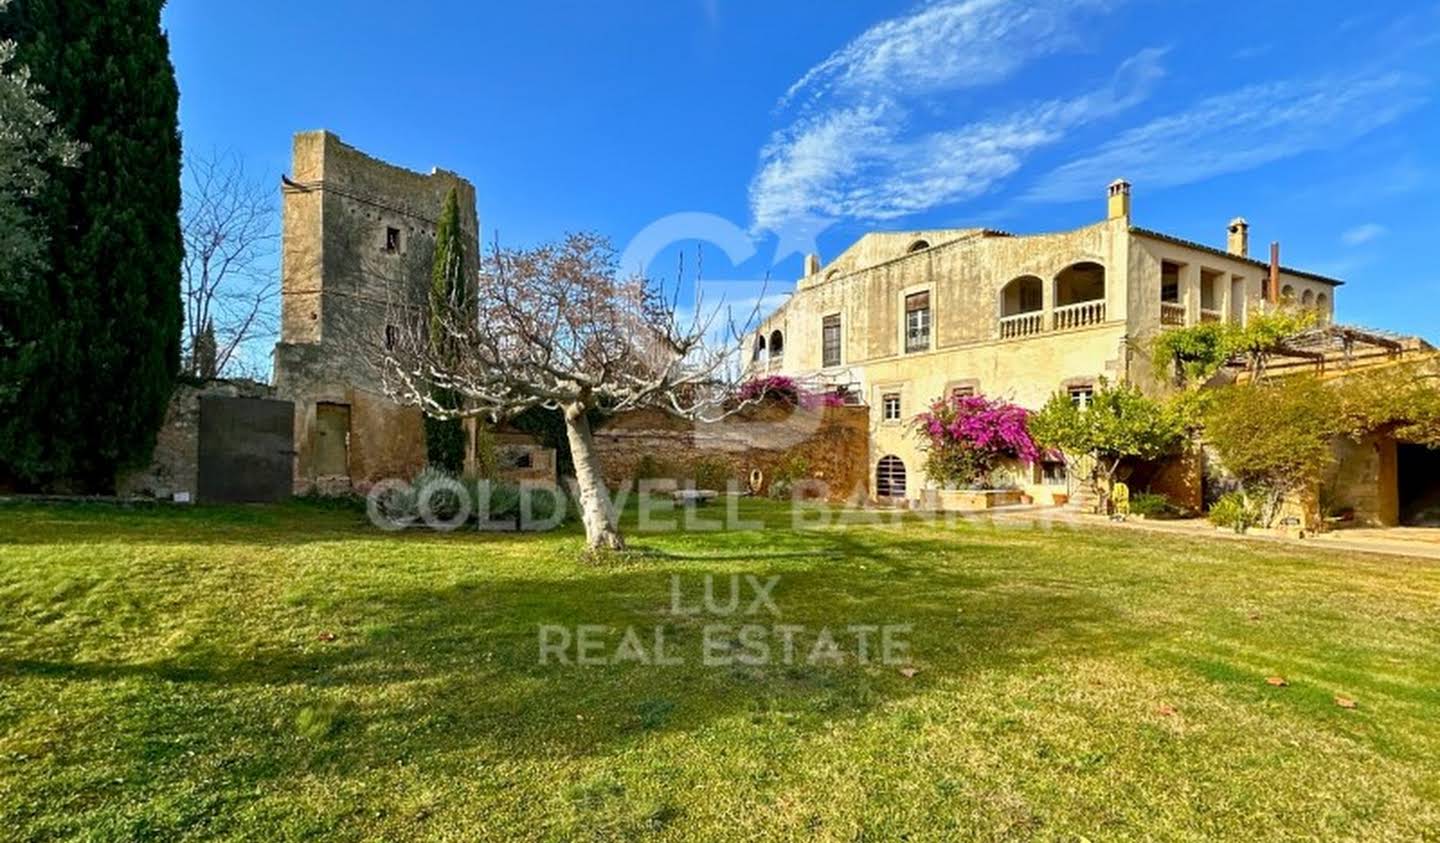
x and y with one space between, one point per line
331 443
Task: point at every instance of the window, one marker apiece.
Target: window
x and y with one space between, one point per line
958 392
392 335
917 321
890 477
830 341
392 239
890 406
1082 395
918 246
1052 473
777 345
759 352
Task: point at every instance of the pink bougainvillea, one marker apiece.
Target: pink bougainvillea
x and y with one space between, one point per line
967 436
784 390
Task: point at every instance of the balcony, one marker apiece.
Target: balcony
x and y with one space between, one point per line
1210 315
1172 314
1022 325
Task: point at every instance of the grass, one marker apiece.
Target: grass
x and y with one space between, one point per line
288 672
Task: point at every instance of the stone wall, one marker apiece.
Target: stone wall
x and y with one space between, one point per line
832 443
1362 480
174 466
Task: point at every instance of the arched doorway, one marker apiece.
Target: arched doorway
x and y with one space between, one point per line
890 477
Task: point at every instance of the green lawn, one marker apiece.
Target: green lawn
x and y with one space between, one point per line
290 672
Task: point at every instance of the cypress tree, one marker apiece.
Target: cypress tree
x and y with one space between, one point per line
98 336
445 438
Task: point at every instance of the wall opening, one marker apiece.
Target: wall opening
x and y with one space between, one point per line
1025 294
1169 282
1419 481
777 344
1082 282
890 477
918 246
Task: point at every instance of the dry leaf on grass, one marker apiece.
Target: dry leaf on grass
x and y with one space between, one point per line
326 636
1277 681
909 672
1344 702
1166 710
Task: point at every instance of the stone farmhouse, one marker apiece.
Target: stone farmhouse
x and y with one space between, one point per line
900 319
896 321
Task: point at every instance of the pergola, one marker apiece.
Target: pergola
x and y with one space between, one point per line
1325 346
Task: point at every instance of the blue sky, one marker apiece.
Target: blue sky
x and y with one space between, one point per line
773 128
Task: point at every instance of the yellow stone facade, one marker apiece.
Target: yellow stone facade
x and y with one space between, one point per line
1015 317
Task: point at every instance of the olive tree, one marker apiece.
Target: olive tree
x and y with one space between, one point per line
557 326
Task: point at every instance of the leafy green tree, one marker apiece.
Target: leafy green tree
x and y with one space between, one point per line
1119 422
1274 436
445 437
95 340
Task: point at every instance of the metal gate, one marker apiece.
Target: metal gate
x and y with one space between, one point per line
247 449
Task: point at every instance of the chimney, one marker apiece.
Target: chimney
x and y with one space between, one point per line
1238 241
1120 200
812 264
1272 291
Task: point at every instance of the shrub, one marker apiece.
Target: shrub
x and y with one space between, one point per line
965 438
1235 511
444 503
710 473
777 388
499 500
1150 505
649 467
1273 436
789 471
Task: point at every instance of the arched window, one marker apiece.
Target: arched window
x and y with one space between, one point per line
918 246
1322 304
1308 298
1025 294
777 344
759 353
890 477
1287 292
1082 282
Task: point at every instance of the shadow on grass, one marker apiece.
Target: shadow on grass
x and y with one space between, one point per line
474 649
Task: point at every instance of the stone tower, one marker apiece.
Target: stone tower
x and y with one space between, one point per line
357 239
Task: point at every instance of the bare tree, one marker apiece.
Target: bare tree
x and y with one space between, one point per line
557 327
229 273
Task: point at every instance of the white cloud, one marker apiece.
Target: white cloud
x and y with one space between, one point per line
853 150
1362 234
1238 131
945 45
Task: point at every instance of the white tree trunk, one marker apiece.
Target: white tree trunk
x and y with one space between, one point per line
596 509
